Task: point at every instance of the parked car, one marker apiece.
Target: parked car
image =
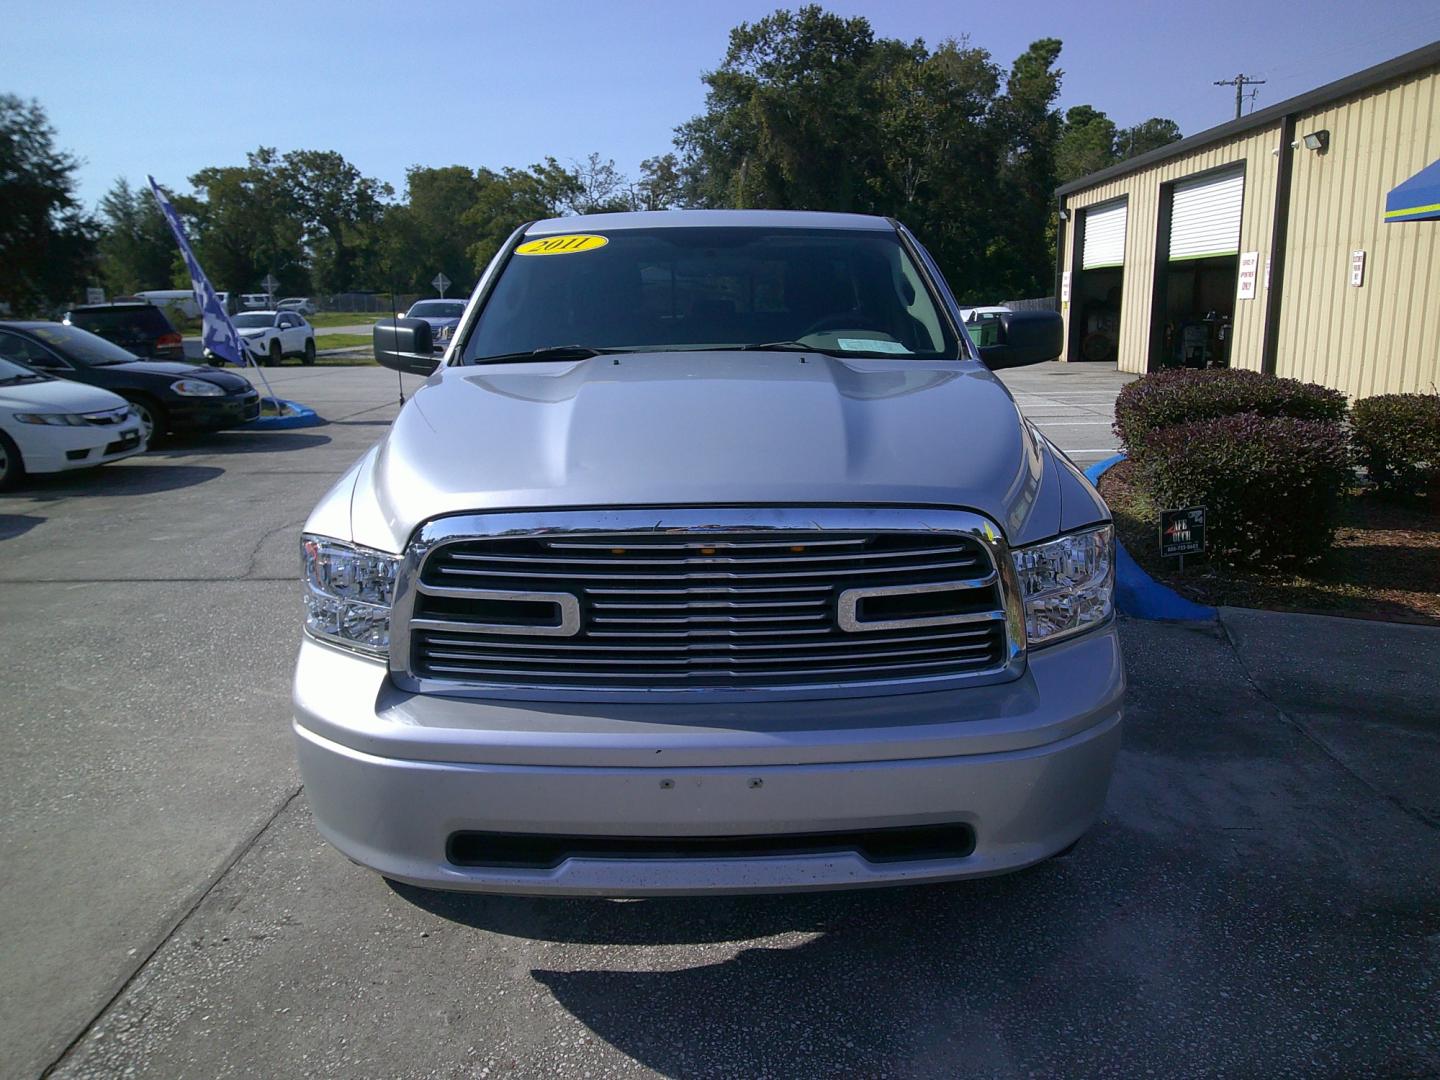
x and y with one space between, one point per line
274 335
710 558
443 317
303 304
48 425
140 328
255 301
166 397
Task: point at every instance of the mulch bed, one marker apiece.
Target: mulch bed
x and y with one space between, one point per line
1385 563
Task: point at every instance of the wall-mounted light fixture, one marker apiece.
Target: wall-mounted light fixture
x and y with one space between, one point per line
1319 141
1064 215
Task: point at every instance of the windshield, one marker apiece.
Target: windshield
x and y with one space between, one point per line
845 292
251 322
81 346
437 309
13 372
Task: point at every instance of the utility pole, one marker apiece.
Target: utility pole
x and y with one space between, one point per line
1239 82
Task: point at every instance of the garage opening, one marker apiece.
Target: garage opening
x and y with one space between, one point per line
1195 308
1097 292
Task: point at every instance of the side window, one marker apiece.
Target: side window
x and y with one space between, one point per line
24 351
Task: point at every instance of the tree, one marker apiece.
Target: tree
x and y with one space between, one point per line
245 225
511 197
661 184
47 241
137 250
429 231
1086 143
340 210
1022 249
600 188
1145 136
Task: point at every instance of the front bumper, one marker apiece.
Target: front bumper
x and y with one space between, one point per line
391 776
215 413
57 449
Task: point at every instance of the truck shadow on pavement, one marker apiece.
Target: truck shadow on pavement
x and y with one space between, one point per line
13 525
234 442
118 479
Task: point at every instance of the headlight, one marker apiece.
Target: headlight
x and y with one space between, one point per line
196 388
348 592
1068 584
53 419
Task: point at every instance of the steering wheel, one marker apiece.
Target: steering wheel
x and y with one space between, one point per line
844 320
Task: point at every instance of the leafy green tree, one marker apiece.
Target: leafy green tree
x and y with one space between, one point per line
245 225
661 184
47 241
340 210
511 197
137 250
1086 143
1145 136
428 232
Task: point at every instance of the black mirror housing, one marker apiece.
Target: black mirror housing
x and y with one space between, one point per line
1026 337
405 345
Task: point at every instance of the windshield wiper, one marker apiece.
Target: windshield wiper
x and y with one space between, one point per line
29 376
783 346
553 352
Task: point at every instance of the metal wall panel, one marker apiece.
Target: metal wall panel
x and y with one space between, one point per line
1257 150
1384 335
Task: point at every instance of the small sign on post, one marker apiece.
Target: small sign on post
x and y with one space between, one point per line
1182 532
441 283
94 295
270 285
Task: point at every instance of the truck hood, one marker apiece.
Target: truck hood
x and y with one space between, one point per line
706 428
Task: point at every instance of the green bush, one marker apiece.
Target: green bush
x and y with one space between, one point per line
1397 439
1164 399
1271 486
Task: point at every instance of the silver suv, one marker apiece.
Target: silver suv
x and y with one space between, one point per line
709 558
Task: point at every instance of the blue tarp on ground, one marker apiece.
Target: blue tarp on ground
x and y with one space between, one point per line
1418 198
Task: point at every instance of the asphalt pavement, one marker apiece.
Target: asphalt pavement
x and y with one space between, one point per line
1260 898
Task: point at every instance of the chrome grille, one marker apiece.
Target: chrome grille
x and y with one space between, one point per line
719 608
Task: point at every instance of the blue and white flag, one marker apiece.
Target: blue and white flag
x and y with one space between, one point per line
219 334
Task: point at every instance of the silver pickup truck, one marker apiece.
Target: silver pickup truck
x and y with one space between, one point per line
709 558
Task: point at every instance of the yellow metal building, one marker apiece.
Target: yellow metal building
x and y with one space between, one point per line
1265 243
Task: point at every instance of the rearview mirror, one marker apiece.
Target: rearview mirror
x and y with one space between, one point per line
405 345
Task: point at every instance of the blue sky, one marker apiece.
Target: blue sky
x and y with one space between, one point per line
170 88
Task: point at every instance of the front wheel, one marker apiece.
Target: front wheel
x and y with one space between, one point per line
276 355
12 466
152 419
309 355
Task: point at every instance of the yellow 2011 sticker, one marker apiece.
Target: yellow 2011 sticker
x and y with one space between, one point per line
561 245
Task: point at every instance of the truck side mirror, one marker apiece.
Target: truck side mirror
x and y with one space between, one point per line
405 345
1026 337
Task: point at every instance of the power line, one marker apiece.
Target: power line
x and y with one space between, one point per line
1239 82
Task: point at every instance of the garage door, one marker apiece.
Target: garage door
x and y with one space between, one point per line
1104 236
1205 216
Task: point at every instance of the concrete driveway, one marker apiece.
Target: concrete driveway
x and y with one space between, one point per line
1259 900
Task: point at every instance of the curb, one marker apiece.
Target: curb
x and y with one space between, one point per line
1136 592
302 416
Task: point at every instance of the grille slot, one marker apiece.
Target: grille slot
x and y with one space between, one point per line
737 609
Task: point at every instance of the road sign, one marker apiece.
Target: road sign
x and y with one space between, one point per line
1182 532
441 283
94 295
270 284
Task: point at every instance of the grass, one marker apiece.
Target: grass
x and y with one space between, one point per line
322 319
1385 563
342 341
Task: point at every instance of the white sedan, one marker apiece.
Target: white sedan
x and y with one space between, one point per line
48 425
274 335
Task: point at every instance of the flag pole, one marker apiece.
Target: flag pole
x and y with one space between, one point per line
217 332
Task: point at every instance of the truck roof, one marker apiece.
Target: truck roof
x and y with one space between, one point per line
692 219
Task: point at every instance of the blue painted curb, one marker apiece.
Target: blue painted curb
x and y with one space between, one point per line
301 416
1136 592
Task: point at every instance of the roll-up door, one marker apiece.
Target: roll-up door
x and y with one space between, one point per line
1205 216
1104 236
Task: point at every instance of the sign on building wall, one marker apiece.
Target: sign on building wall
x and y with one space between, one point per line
1357 268
1065 287
1249 271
